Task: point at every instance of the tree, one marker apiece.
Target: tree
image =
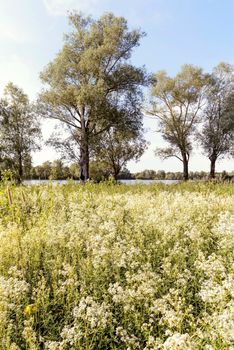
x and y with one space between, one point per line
45 170
91 86
74 171
146 175
161 174
177 103
19 129
67 146
99 171
125 174
57 170
27 166
117 147
218 127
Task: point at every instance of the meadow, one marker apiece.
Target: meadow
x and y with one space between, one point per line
117 267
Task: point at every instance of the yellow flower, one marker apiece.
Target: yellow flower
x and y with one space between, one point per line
30 309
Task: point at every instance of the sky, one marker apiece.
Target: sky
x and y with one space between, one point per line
199 32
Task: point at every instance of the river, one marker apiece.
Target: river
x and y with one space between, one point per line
126 182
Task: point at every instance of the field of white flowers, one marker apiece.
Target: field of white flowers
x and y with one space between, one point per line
117 267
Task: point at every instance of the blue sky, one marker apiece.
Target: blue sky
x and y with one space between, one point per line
200 32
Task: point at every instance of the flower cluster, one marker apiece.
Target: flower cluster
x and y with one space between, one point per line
117 267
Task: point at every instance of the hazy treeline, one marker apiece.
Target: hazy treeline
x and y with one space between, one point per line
170 175
96 96
58 170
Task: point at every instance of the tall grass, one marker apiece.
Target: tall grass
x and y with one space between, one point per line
117 267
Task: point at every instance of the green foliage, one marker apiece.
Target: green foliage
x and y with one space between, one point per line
91 84
218 117
116 147
177 102
99 171
19 131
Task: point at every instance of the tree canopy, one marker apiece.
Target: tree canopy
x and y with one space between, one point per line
218 117
90 85
19 129
177 104
117 147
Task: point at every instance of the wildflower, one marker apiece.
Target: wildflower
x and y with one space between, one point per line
30 309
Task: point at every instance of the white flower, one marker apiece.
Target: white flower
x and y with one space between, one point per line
178 342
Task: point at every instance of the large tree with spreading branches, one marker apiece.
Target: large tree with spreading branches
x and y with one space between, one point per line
91 85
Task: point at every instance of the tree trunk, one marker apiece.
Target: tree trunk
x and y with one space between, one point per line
84 163
84 150
212 167
185 167
116 173
20 169
116 170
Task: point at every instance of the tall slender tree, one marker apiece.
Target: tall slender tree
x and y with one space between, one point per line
19 129
218 117
177 104
91 82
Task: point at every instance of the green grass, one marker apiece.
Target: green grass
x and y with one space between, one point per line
117 267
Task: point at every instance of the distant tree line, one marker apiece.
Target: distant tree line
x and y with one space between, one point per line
170 175
96 96
99 171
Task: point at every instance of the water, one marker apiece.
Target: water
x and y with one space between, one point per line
45 182
149 182
126 182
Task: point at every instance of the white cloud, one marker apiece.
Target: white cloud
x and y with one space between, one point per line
13 68
136 11
61 7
